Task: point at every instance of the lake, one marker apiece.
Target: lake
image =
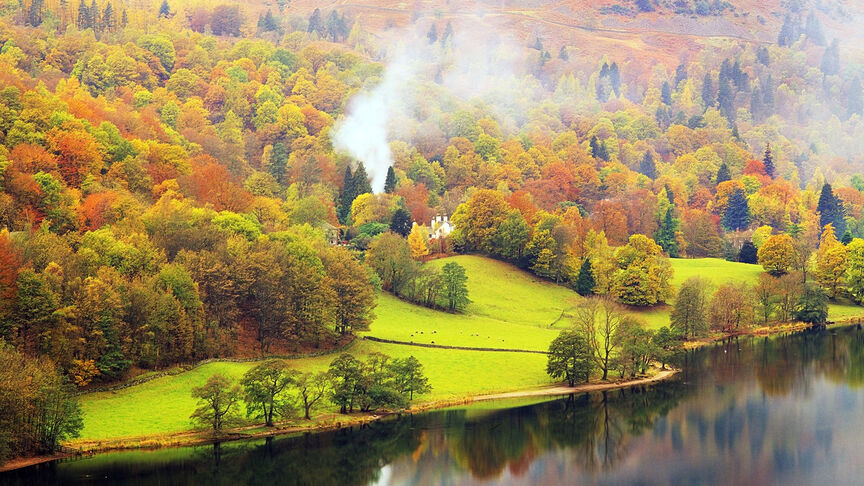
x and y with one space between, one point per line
785 410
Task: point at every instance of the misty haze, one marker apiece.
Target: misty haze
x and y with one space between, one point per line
614 242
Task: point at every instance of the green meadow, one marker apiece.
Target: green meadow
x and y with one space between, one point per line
510 309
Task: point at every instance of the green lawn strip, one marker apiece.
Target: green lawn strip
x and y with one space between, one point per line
398 320
163 405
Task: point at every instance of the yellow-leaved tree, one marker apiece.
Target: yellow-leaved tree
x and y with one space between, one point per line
830 262
418 240
777 254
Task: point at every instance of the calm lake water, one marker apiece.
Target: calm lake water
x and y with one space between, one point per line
787 410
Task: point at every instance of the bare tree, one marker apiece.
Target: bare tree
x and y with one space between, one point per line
599 320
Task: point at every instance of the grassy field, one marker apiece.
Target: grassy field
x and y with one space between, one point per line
510 309
163 405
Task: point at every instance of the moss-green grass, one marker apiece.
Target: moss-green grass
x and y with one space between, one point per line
163 405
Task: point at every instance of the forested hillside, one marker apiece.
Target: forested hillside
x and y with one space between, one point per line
184 180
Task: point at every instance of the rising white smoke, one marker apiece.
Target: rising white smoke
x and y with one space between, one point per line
480 63
364 133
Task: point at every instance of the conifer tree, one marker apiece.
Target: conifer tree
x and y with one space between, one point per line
432 35
647 166
164 10
723 173
665 235
666 94
708 91
737 215
831 210
360 181
585 280
748 253
768 160
390 181
348 195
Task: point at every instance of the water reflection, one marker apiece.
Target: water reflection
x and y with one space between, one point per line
748 411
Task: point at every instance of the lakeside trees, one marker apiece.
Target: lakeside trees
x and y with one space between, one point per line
40 409
273 390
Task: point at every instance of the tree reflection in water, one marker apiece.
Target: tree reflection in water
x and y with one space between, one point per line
747 411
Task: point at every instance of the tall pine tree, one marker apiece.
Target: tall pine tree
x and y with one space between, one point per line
360 181
665 235
348 195
390 181
647 166
585 281
768 160
723 173
737 215
831 210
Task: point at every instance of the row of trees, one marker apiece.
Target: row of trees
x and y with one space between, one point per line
273 391
736 306
117 300
605 337
390 255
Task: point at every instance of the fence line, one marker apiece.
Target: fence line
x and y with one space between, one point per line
461 348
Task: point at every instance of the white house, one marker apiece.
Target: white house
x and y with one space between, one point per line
440 227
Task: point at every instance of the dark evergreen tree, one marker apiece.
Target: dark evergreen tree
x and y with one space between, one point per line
831 210
448 34
768 95
768 161
34 13
83 16
723 173
268 23
737 215
708 98
432 35
585 280
401 222
164 10
725 95
95 17
735 133
562 54
680 74
598 149
108 20
647 166
855 101
665 235
763 56
348 195
847 237
360 181
666 94
615 78
124 19
316 24
788 32
740 78
390 181
278 162
748 253
669 194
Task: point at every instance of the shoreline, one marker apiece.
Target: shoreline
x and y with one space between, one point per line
332 422
335 421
